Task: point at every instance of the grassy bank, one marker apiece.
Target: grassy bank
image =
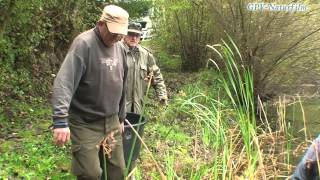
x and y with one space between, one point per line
26 147
197 136
209 130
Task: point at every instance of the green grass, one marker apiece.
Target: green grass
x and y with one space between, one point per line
217 112
169 62
165 61
28 151
208 131
190 139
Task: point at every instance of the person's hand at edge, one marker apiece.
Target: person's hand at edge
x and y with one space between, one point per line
61 136
164 101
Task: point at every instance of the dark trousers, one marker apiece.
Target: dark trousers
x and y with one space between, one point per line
86 139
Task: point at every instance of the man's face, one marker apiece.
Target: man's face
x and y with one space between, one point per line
132 39
108 37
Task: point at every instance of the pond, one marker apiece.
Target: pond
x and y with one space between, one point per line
304 118
308 115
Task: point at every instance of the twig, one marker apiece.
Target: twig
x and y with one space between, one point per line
163 177
131 173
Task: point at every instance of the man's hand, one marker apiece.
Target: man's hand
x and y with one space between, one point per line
149 78
164 101
61 136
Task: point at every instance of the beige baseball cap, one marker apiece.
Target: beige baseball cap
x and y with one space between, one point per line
116 19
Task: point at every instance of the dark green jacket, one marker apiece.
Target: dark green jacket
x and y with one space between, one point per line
141 63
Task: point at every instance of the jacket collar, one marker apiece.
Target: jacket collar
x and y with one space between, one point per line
136 49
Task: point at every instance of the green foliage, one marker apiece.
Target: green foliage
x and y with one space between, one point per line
15 83
267 40
182 27
173 135
195 137
28 151
35 159
35 35
136 8
238 83
215 118
166 62
170 172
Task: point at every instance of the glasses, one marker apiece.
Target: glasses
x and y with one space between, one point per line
131 34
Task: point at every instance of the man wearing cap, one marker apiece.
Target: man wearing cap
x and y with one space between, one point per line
89 97
141 67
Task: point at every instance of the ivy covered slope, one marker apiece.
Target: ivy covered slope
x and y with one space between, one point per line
34 37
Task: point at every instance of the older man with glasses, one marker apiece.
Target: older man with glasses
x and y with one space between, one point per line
141 67
89 97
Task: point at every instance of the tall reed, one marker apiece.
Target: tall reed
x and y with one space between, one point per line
238 85
239 147
226 138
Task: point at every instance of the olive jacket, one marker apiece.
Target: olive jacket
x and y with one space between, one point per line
141 65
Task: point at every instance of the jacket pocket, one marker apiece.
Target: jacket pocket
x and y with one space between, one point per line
143 71
144 81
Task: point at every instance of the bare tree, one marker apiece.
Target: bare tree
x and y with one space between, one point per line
268 39
186 24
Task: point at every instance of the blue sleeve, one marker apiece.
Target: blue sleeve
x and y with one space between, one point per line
307 168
